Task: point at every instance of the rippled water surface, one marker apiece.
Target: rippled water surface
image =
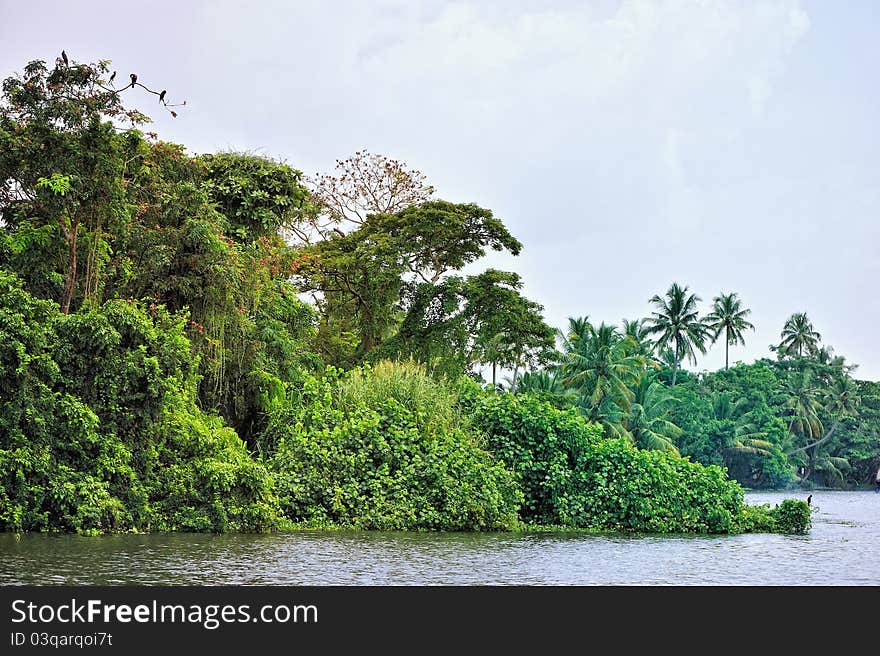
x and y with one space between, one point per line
843 548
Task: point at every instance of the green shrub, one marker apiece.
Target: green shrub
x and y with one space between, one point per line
570 476
757 519
793 516
380 449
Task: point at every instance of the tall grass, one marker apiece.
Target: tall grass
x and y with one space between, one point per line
431 400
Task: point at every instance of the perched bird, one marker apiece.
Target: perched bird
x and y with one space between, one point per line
162 96
113 77
134 79
64 57
810 500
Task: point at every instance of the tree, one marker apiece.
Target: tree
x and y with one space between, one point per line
736 431
676 322
540 382
841 401
798 336
437 237
366 184
257 196
599 365
729 316
63 169
507 329
648 421
637 331
368 282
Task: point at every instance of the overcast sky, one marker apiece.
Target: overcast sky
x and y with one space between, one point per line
724 145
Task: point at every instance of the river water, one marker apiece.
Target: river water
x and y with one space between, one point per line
843 548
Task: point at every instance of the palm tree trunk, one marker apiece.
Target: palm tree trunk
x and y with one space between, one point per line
493 376
726 347
674 370
813 445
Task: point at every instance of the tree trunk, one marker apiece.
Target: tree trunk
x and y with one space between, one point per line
810 468
493 376
727 348
813 445
70 281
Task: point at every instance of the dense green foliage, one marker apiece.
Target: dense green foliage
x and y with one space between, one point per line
571 476
382 448
99 428
216 343
772 424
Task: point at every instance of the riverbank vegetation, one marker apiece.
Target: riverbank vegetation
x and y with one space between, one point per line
215 342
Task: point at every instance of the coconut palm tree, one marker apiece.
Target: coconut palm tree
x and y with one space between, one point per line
798 335
742 437
803 405
677 323
636 331
647 423
729 315
841 402
596 362
545 381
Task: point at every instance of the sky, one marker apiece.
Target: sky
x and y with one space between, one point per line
727 146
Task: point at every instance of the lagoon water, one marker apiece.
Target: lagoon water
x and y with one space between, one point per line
843 548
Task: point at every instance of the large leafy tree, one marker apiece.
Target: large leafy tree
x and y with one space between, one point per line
676 324
62 172
799 336
257 196
387 284
507 329
729 316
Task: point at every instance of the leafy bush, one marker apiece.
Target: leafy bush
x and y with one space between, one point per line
792 516
572 477
380 449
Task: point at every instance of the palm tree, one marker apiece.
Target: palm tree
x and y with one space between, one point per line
742 438
729 315
677 322
598 365
804 405
547 382
841 402
647 422
636 331
798 335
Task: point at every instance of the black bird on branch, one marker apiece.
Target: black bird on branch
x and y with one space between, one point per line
134 78
162 96
64 57
113 76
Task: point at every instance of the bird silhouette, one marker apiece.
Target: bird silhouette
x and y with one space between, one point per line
64 57
162 96
113 77
134 78
810 500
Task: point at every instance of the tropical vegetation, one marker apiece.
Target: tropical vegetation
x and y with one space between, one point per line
217 342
